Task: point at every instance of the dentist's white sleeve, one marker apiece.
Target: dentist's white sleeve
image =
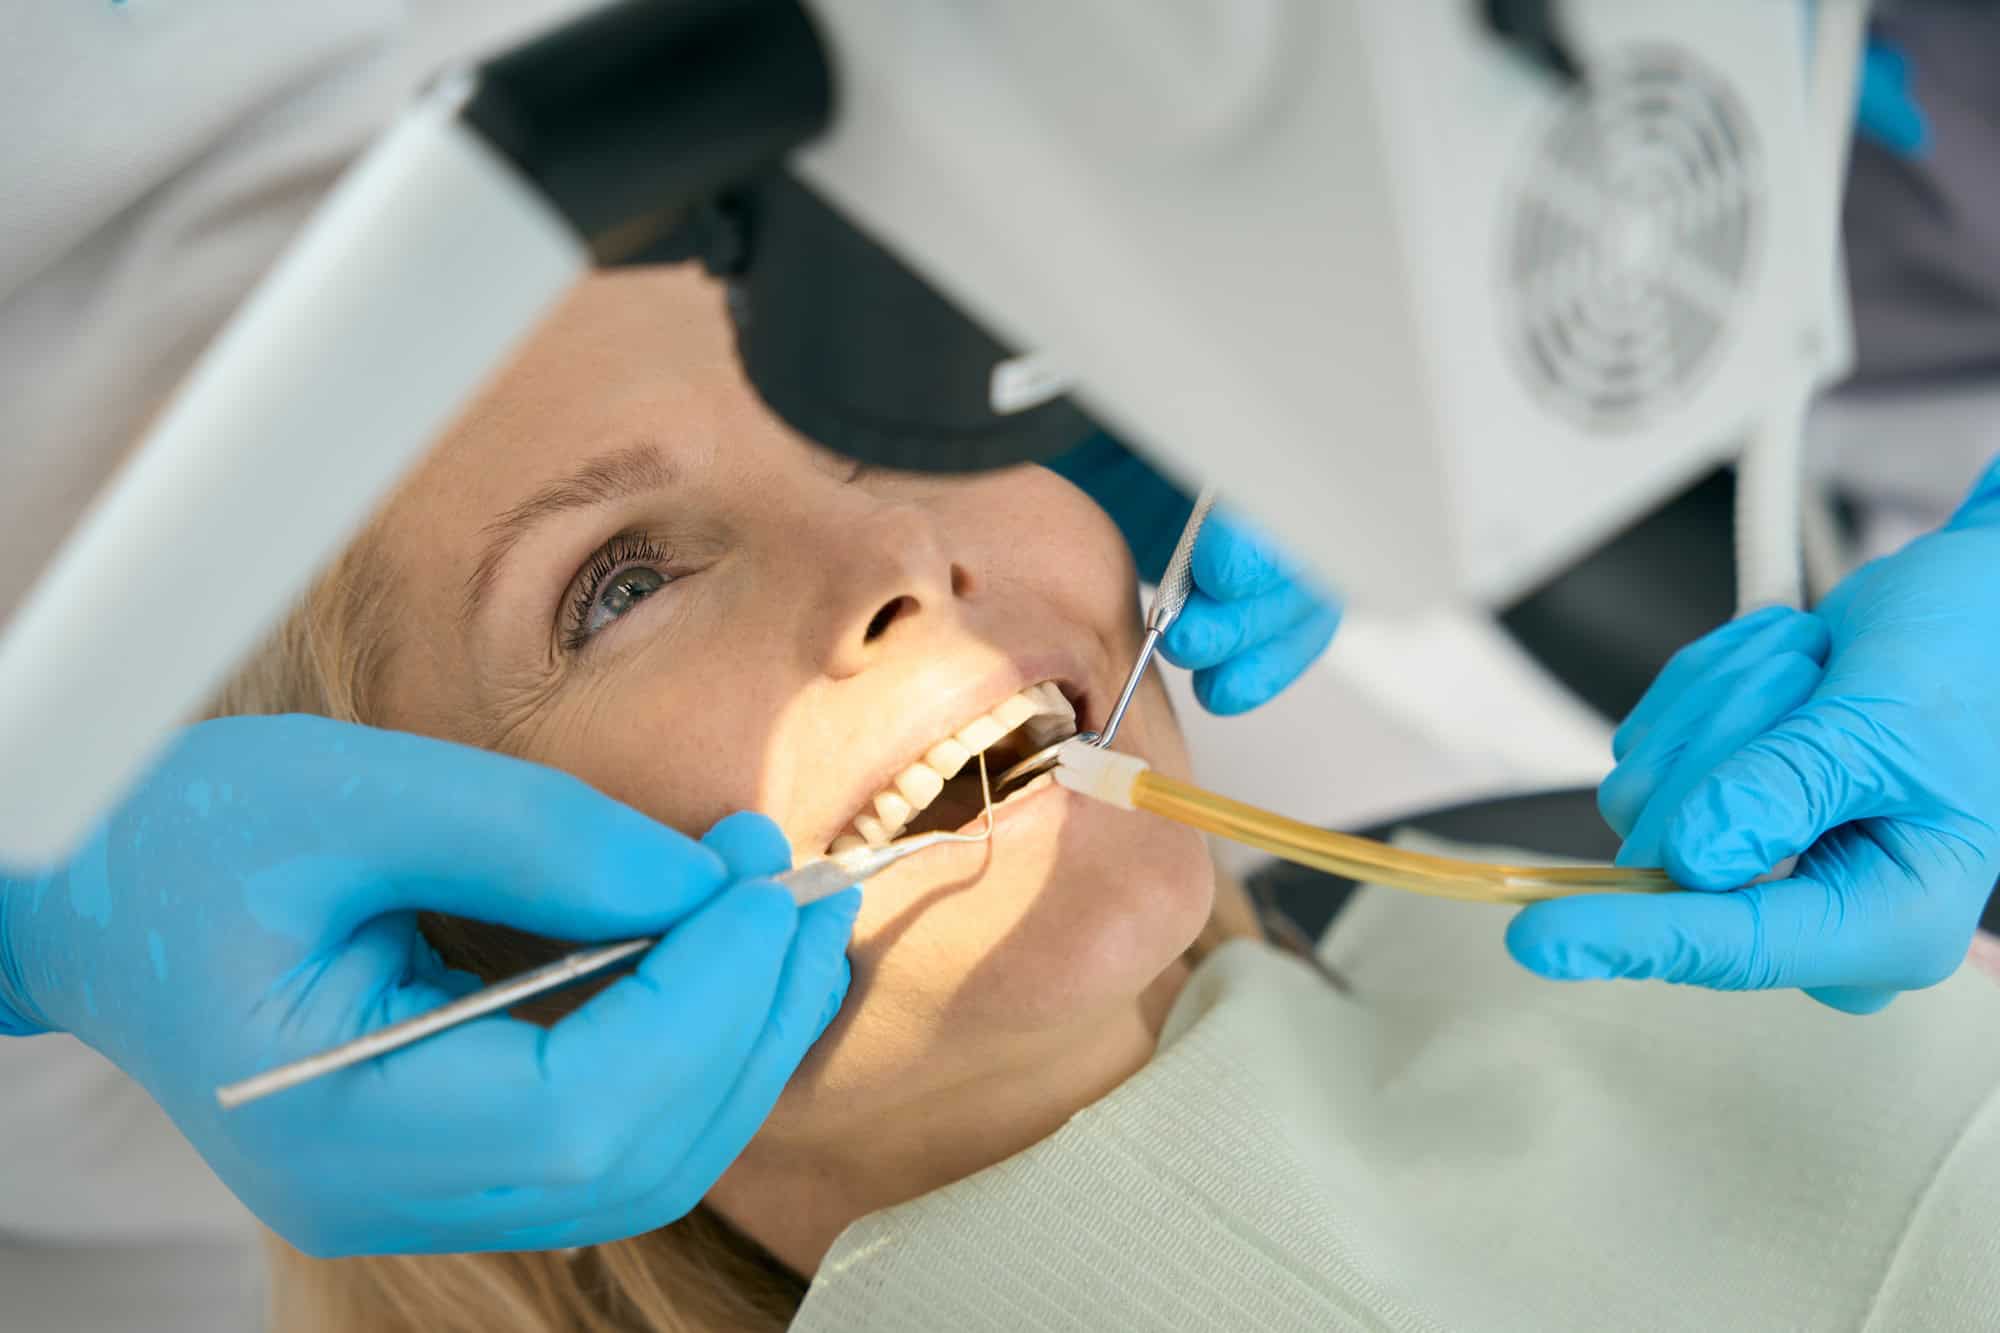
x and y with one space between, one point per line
158 156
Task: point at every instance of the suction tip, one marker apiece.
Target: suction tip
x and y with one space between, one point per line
1106 775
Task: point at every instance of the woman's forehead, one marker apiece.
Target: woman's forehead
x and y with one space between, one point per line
594 374
614 337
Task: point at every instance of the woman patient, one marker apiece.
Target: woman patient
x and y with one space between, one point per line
620 564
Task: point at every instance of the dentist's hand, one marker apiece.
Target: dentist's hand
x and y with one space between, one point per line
1881 771
256 901
1253 624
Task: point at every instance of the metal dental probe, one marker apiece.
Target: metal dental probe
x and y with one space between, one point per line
808 884
1168 599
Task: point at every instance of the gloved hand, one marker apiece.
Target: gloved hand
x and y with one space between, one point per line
1882 769
1253 624
1886 111
255 901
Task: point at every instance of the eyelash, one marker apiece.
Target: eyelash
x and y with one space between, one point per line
614 557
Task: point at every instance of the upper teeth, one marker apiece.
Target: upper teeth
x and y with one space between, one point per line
1040 712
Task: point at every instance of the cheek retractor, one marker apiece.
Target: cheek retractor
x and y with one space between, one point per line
808 883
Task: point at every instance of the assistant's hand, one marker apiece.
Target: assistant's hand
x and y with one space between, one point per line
1882 769
255 901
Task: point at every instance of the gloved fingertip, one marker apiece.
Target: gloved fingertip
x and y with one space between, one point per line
1621 795
1553 955
1226 691
751 844
1852 999
1315 642
1640 852
757 908
1204 635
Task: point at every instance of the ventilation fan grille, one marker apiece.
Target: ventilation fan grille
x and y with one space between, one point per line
1633 235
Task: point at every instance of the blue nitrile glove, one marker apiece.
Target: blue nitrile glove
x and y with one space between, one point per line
1884 772
255 901
1253 623
1886 111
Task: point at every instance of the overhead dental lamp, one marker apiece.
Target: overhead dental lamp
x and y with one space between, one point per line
1442 291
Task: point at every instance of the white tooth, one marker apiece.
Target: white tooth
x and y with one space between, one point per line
871 829
847 842
1013 712
920 784
979 733
893 810
947 757
1055 721
1046 730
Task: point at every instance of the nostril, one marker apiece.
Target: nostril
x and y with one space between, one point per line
892 611
961 581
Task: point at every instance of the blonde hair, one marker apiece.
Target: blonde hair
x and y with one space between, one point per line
696 1275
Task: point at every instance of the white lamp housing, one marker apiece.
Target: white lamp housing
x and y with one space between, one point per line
1440 318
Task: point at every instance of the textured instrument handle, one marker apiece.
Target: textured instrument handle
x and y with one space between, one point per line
1178 581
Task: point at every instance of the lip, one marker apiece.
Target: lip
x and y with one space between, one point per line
917 730
963 861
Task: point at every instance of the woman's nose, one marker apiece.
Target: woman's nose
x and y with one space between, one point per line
889 573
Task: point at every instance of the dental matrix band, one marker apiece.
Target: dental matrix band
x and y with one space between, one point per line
817 879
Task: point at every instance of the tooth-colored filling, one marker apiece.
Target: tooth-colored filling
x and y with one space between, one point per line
1039 714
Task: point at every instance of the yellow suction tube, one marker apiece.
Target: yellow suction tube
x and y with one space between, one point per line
1127 781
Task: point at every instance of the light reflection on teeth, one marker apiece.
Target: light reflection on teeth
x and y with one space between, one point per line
981 732
1040 713
920 784
892 809
946 758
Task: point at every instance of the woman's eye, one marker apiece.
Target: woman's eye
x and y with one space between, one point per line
619 594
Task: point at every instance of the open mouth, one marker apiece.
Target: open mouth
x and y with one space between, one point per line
940 792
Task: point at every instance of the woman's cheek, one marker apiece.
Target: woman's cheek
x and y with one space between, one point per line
670 758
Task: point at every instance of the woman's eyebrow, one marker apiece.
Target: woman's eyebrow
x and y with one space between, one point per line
634 470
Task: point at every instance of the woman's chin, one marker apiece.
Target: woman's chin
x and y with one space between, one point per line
1075 906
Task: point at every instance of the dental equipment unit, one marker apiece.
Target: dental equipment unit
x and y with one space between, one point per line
1130 783
816 879
1455 288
